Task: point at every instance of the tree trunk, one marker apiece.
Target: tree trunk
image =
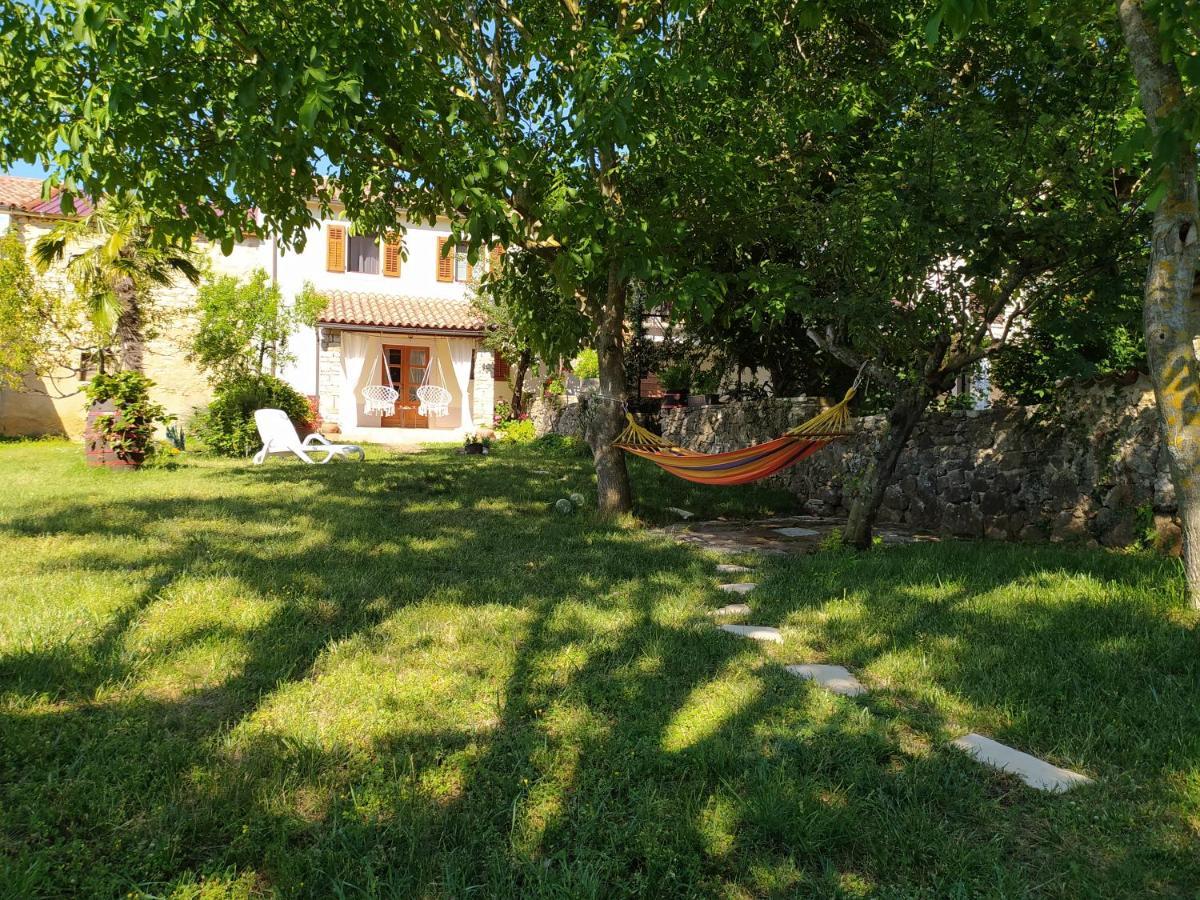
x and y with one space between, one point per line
607 413
518 399
1168 308
129 325
903 418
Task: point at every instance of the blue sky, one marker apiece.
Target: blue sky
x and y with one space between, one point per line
26 170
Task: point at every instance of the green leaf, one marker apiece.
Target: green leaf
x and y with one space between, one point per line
1156 196
932 28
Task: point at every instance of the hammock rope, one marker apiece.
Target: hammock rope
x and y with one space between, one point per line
745 465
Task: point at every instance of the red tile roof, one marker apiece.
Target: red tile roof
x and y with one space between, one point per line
53 206
16 192
392 311
25 195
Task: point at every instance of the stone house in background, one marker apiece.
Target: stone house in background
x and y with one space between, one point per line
398 314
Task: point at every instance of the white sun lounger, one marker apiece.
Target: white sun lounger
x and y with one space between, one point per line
280 439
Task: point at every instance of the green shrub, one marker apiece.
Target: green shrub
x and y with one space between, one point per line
561 443
227 425
586 364
502 413
676 377
707 381
519 431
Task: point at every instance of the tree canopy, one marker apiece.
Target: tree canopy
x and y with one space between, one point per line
244 324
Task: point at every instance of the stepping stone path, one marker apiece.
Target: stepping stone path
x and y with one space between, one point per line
741 587
682 513
798 532
833 678
1037 773
733 609
755 632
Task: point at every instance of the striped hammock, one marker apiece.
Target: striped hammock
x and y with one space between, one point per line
739 466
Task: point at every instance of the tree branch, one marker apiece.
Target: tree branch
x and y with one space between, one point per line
850 358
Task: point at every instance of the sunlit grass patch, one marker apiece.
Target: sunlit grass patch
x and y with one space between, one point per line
411 677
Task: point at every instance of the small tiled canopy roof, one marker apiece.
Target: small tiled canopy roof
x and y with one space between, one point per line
392 311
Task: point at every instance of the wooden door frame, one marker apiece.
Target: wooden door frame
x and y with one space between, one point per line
400 415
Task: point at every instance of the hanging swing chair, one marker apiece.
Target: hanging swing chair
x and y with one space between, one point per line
740 466
381 399
434 398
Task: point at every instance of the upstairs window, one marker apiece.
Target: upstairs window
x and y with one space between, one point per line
452 263
366 254
462 268
363 254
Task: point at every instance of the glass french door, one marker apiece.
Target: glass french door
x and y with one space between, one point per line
406 366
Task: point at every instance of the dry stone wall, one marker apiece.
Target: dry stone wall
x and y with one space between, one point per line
1089 469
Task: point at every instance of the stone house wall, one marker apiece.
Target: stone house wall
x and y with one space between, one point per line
329 374
55 404
1089 469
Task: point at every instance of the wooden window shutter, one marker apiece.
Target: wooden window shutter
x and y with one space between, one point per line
499 367
445 261
391 258
335 248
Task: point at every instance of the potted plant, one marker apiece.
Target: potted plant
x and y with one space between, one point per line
675 380
315 424
478 443
708 383
555 387
121 420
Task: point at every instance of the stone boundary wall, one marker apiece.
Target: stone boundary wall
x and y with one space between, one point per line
1088 470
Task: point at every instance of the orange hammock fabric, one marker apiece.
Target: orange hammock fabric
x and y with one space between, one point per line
739 466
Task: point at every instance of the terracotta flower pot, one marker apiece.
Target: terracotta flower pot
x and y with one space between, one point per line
97 450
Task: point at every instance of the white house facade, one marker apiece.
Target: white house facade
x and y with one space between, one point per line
399 314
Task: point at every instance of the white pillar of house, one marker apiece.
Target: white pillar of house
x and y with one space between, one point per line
483 389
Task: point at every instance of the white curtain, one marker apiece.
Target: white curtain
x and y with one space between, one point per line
440 362
355 350
460 360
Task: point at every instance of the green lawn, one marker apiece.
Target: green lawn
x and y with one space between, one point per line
410 677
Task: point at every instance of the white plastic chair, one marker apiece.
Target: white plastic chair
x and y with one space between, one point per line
280 439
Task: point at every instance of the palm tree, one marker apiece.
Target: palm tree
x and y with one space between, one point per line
113 259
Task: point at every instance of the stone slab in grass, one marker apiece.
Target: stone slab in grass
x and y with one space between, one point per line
755 632
833 678
798 532
741 587
731 569
1037 773
733 609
